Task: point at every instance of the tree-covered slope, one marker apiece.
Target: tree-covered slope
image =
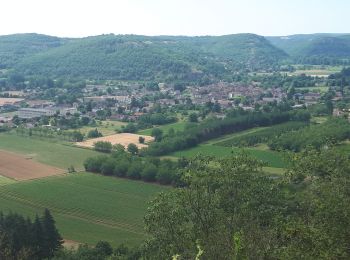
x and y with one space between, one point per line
315 48
13 48
168 58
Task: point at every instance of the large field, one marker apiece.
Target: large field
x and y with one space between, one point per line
124 139
56 154
19 167
87 207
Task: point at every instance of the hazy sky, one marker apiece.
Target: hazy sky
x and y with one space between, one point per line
76 18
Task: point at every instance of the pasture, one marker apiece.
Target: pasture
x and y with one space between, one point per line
124 139
20 168
56 154
86 207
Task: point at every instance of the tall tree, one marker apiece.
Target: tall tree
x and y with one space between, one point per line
53 240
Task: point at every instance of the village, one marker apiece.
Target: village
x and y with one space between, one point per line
129 103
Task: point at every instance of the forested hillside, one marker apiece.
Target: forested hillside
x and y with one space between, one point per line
315 48
14 48
132 57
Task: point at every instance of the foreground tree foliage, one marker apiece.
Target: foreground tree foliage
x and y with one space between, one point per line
231 209
20 238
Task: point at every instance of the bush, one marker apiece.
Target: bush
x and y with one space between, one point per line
107 168
133 149
120 169
149 173
134 171
102 146
94 164
94 134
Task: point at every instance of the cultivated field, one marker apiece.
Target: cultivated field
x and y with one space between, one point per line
57 154
21 168
124 139
87 207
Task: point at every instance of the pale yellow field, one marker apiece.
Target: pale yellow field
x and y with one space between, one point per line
124 139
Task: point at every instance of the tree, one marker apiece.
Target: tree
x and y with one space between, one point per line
103 146
226 210
94 133
133 149
52 239
149 173
157 133
193 117
104 248
141 140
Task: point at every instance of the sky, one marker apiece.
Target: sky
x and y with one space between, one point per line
79 18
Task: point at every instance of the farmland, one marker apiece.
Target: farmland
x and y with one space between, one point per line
19 167
124 139
56 154
87 207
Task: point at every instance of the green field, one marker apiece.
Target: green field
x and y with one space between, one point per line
320 89
178 126
238 134
316 70
273 159
105 127
87 207
52 153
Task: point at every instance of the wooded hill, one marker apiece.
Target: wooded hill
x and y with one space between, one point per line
315 48
132 57
173 59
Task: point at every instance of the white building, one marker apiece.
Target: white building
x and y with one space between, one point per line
28 113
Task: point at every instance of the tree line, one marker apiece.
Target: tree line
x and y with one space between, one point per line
120 163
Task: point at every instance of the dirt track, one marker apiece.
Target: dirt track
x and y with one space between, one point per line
20 168
124 139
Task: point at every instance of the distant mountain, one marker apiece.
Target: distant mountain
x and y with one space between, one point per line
132 57
317 47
